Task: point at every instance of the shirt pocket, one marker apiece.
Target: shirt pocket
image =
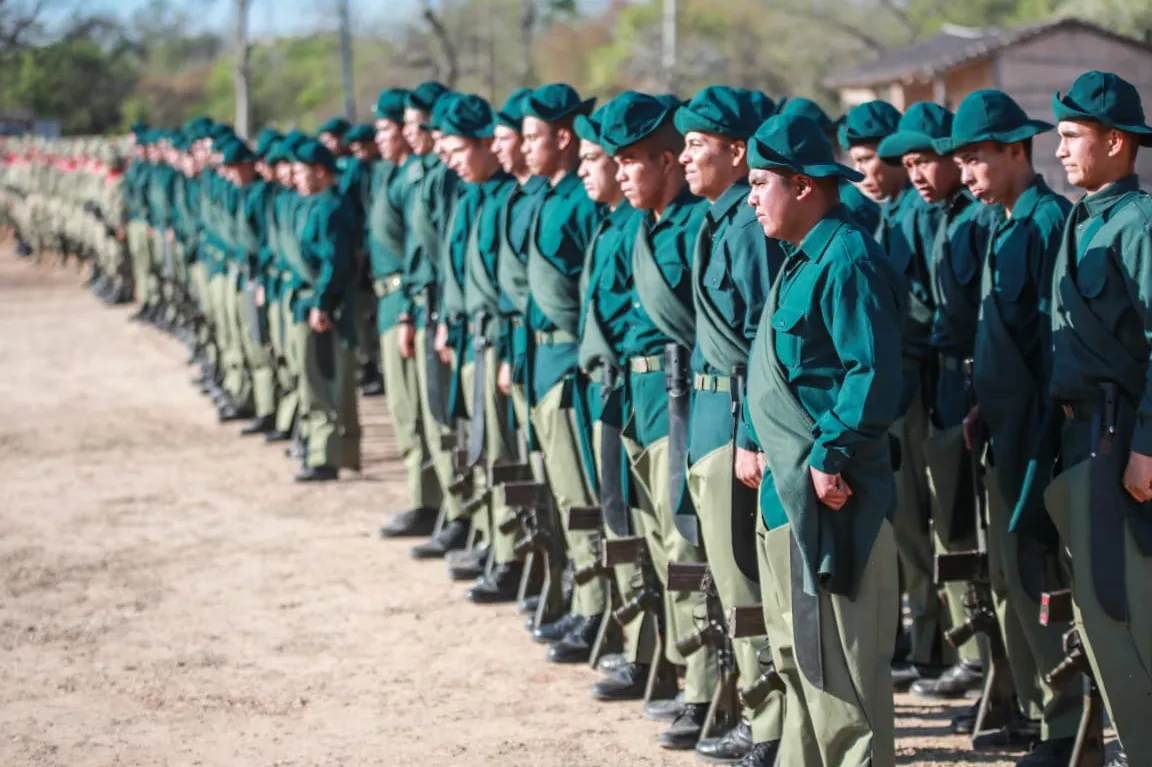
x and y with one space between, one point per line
1092 272
965 262
721 289
788 325
1012 269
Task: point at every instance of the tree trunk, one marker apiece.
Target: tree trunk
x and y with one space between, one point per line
243 107
527 36
346 60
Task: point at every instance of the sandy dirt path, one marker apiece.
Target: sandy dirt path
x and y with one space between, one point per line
171 598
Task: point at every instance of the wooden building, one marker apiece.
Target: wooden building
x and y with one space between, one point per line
1030 63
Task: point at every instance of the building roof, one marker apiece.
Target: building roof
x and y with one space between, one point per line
953 46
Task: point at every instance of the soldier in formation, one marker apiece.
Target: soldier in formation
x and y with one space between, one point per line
708 389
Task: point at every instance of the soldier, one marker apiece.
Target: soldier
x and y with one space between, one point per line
385 240
324 335
638 131
1100 323
991 140
732 270
823 391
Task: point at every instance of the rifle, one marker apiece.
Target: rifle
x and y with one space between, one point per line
649 599
711 631
590 519
748 621
1056 606
543 562
995 711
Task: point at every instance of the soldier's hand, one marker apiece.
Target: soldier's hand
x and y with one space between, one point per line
441 344
1138 477
970 422
748 468
319 321
170 236
831 489
406 338
120 234
260 295
504 379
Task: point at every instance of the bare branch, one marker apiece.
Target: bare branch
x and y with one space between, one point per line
440 32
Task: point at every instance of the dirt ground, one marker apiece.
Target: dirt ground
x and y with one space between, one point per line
171 598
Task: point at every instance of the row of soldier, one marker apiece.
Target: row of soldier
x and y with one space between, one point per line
706 403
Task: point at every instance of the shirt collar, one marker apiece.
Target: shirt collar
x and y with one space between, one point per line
733 196
564 188
672 214
1102 201
1027 202
817 240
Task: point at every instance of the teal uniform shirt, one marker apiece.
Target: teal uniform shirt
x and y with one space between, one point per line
897 237
357 180
135 186
733 268
427 216
385 236
1013 343
561 233
184 211
864 210
1102 310
824 388
662 269
160 185
482 254
326 230
512 271
958 247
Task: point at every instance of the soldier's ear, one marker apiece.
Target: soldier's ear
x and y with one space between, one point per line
739 153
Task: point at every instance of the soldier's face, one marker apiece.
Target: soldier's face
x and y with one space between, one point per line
284 174
881 180
471 159
390 140
934 176
643 175
1092 155
598 172
543 146
986 169
774 196
302 178
419 139
506 145
331 142
711 163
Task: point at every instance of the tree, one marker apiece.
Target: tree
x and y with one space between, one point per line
243 108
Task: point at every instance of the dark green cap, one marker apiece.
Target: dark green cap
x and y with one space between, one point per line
719 109
988 115
198 127
276 153
555 101
798 105
798 144
264 141
467 115
438 111
139 128
512 115
337 126
425 95
589 127
361 134
868 123
234 151
632 117
1105 98
390 104
312 152
923 123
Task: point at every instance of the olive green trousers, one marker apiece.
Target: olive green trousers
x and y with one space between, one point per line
1121 654
400 389
433 430
710 483
850 722
329 413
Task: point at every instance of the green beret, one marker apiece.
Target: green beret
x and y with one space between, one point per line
556 101
796 143
632 117
425 95
469 116
264 141
868 123
436 116
198 127
390 105
139 128
234 151
798 105
923 123
312 152
364 133
337 126
726 111
1105 98
989 115
589 127
512 115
